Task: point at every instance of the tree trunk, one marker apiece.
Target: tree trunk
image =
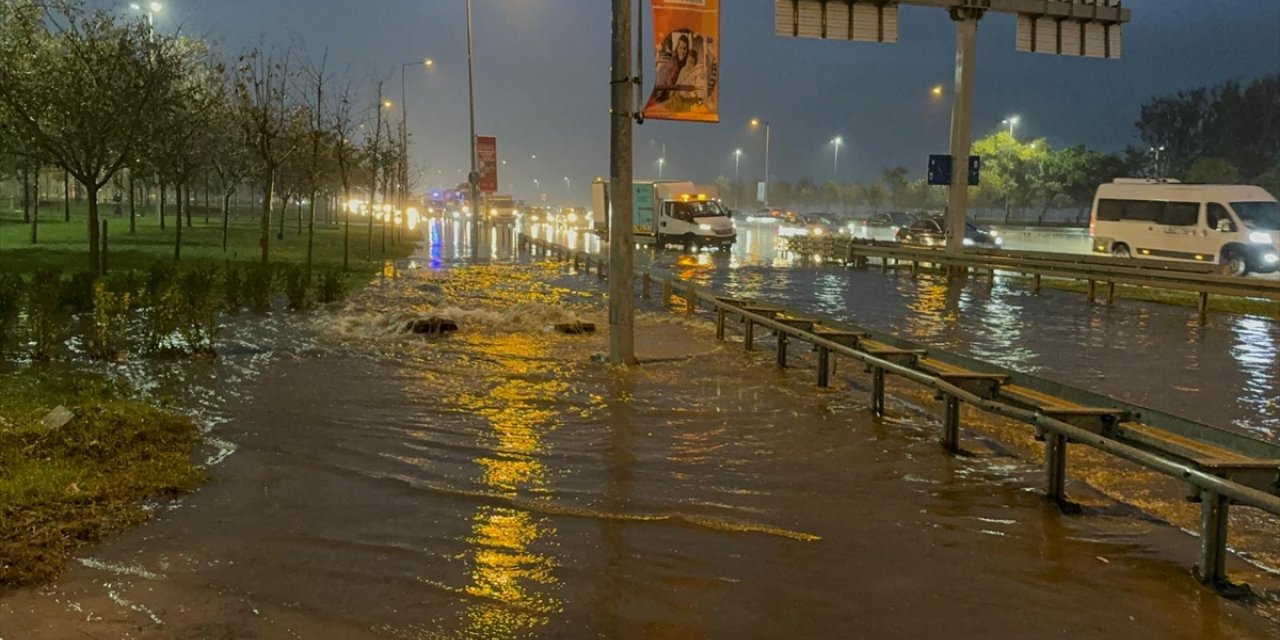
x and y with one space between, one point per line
95 258
226 215
133 212
206 198
299 203
346 232
26 194
163 196
311 233
181 196
284 212
35 201
66 197
268 194
186 203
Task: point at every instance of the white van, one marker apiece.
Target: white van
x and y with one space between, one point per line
1234 226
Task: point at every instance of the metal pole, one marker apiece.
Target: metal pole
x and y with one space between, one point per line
835 163
474 178
961 116
404 148
621 235
766 164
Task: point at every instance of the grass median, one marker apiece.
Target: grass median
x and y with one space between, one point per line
67 482
63 486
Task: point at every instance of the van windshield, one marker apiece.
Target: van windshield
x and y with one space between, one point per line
1262 216
700 209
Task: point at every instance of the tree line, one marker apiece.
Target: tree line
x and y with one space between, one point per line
121 108
1228 134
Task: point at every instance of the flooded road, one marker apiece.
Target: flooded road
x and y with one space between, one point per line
1225 372
501 483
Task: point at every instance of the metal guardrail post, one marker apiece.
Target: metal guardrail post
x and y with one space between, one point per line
782 349
877 391
720 323
1035 288
1203 305
600 269
666 293
691 300
646 282
748 334
1093 290
1213 538
951 423
824 366
1055 467
1111 292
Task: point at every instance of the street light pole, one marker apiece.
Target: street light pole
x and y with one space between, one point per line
622 348
474 177
835 164
1012 121
737 160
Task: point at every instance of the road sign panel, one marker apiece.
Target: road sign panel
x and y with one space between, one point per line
853 20
940 170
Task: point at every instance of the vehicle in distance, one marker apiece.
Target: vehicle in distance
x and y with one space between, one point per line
882 226
806 224
1236 227
672 213
930 232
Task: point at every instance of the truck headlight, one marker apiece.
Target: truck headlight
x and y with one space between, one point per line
968 242
704 227
1261 237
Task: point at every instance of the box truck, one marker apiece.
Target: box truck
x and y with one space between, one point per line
671 212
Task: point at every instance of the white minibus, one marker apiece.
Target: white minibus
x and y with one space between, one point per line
1234 226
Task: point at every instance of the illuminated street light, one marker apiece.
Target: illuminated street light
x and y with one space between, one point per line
937 91
835 164
1012 121
755 122
737 160
152 9
661 163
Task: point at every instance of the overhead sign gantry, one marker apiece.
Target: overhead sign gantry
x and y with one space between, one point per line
1088 28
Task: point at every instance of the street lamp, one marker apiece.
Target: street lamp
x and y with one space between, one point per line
1012 121
152 9
404 127
661 162
835 164
755 122
568 185
937 92
737 160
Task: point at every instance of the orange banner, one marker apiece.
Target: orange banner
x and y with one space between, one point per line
686 40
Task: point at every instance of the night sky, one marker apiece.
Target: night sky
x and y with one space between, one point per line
542 71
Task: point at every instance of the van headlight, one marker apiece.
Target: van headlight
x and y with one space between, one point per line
1271 258
704 227
1261 237
817 231
968 242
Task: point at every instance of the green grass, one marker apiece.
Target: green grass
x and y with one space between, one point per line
64 245
64 488
1217 303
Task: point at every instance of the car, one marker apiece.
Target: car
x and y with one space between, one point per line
881 226
929 232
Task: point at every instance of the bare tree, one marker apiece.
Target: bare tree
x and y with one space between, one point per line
51 58
264 110
342 126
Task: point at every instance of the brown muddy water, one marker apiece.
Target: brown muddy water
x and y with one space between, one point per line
501 483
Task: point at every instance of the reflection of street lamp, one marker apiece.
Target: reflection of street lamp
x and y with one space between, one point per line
1012 121
835 164
755 122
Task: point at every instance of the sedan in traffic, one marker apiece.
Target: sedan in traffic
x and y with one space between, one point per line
929 232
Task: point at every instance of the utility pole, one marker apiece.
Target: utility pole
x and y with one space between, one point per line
622 348
474 178
966 20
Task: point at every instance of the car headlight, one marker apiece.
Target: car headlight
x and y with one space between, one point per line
817 232
968 242
704 227
999 241
993 233
1271 258
1260 237
573 217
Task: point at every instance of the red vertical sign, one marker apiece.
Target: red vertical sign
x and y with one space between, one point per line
487 154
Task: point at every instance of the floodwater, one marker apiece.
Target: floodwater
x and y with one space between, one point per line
1225 372
500 482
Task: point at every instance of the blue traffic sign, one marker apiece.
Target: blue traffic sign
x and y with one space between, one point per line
940 169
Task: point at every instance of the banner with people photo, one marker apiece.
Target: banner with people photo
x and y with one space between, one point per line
487 155
686 39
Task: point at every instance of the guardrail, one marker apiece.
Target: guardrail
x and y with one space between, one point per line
1220 466
1200 279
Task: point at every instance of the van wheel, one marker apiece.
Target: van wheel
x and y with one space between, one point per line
1233 264
689 243
1121 251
